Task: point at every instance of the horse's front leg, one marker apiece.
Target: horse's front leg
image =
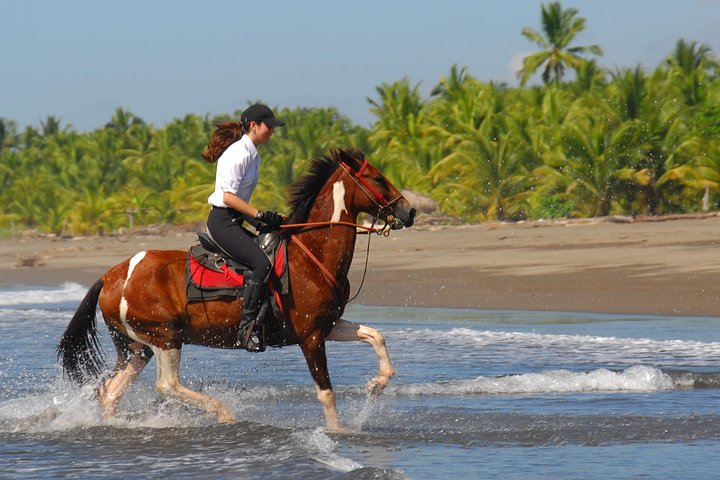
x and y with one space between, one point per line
313 348
345 331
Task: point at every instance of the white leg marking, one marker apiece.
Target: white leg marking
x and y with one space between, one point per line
167 382
123 301
345 331
338 201
114 387
327 399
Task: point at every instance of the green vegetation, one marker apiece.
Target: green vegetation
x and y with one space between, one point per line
630 141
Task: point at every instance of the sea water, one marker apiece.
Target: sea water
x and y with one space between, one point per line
478 394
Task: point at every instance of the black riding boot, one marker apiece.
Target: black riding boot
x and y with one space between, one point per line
253 296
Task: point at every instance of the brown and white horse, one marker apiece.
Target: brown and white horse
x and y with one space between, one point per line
143 299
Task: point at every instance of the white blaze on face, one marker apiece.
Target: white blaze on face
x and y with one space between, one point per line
338 201
123 301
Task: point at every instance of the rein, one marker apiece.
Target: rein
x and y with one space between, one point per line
311 225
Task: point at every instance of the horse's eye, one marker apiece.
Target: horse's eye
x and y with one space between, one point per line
381 181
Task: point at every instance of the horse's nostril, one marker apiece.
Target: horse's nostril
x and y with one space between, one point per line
412 213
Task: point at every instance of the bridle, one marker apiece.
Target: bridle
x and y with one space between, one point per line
384 205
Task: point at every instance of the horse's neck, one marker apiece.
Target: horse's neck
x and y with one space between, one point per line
334 245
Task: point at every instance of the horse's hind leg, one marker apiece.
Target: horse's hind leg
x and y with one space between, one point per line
345 331
168 383
131 361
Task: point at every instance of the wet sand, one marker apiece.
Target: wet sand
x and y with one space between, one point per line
667 267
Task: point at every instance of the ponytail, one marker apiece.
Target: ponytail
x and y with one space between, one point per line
225 134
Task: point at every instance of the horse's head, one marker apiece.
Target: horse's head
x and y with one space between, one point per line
375 194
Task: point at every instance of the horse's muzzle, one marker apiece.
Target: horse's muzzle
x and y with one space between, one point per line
403 216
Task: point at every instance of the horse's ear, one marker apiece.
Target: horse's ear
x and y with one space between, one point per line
336 154
352 158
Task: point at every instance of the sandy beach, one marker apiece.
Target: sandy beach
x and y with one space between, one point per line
665 266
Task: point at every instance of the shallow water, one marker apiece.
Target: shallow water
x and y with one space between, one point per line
478 395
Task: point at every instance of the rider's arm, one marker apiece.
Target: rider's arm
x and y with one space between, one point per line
238 204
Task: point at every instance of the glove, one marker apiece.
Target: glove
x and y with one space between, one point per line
271 219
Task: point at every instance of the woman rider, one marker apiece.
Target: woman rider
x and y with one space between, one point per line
234 147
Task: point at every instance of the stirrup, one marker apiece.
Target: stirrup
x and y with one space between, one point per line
250 345
252 340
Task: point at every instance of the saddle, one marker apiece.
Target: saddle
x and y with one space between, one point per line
212 273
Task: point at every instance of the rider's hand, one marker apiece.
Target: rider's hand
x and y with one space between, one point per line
272 219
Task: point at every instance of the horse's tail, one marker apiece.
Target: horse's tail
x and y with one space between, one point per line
79 350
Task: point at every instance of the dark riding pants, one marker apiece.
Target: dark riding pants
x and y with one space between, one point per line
225 227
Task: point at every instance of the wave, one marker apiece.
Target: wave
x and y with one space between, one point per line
23 319
688 379
66 293
634 379
572 349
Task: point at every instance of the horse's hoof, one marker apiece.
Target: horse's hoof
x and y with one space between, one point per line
227 419
337 428
376 390
376 386
45 417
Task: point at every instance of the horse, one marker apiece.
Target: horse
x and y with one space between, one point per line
144 304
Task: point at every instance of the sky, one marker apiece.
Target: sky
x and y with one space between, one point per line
80 60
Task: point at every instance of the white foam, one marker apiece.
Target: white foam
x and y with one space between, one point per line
22 318
65 408
59 409
634 379
67 292
321 448
536 348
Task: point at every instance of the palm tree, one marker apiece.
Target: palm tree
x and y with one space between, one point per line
51 126
560 27
691 66
538 115
462 98
189 134
669 150
308 133
399 134
485 171
666 163
629 89
94 213
451 87
588 76
122 120
596 148
8 133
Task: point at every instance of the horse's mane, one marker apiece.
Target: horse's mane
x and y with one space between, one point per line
305 189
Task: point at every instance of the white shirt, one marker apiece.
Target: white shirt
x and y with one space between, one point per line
237 172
